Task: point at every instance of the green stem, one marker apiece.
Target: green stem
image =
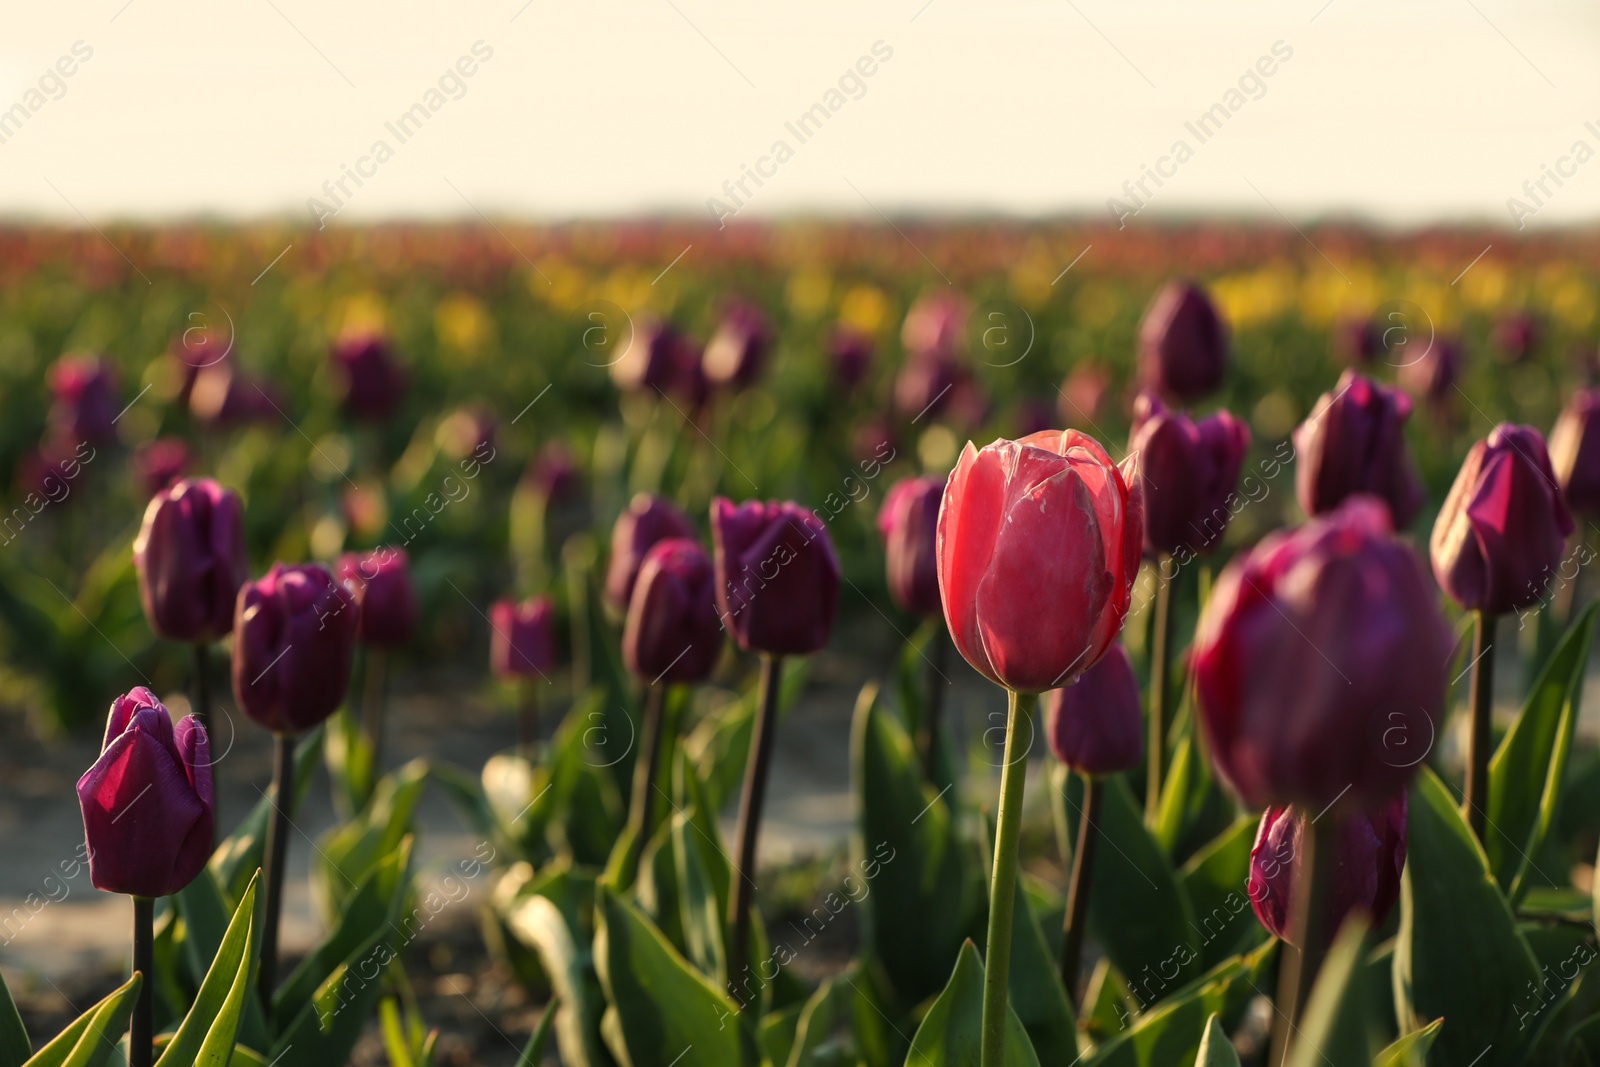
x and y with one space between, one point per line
1160 687
527 719
372 702
1003 883
277 849
928 729
644 768
750 803
202 711
141 1032
1077 917
1308 911
1478 744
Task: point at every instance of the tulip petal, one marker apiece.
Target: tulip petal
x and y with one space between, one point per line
970 516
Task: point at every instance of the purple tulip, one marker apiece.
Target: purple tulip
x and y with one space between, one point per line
1432 373
158 464
386 604
651 360
648 520
1499 537
190 559
1354 442
53 471
294 634
738 349
372 380
1357 341
672 634
85 407
1364 874
1183 343
223 396
936 326
1319 663
850 355
1095 725
909 523
1575 452
926 386
554 473
468 432
147 804
777 576
522 638
1516 336
1189 470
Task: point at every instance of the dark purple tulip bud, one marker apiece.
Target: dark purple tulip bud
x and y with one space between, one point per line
926 385
190 559
1499 537
294 635
1575 452
649 519
1082 396
1354 442
909 523
777 576
85 407
372 380
147 804
224 396
672 634
1319 663
386 604
1365 875
689 381
193 352
1516 336
651 360
55 470
522 638
1183 343
1095 725
468 432
1189 469
874 440
554 473
1357 341
1431 374
936 326
850 354
159 464
739 347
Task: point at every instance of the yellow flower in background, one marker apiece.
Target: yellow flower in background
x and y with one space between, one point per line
1484 286
1326 296
1255 296
865 307
808 292
463 324
1570 297
1097 304
559 284
1031 280
363 312
629 288
1438 299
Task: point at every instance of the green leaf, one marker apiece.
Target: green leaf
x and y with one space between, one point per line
1215 1048
817 1018
206 916
664 1006
720 744
703 874
91 1038
347 854
206 1035
951 1034
14 1045
395 1043
927 886
1411 1050
549 922
1528 770
236 860
1138 910
533 1051
1036 994
1334 1028
1456 927
1216 879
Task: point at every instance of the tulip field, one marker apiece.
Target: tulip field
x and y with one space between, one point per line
1206 611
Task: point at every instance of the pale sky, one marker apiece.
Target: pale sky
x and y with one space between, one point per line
1405 112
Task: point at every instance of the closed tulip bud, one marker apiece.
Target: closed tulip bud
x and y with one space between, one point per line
1319 663
1516 336
372 380
223 396
159 463
293 639
1357 341
1183 343
936 325
1575 452
386 604
468 432
1364 872
554 473
1354 442
522 638
648 520
909 523
738 349
1431 373
147 804
1095 725
777 576
926 385
672 634
1038 548
190 560
1188 471
850 353
85 407
650 362
1499 537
